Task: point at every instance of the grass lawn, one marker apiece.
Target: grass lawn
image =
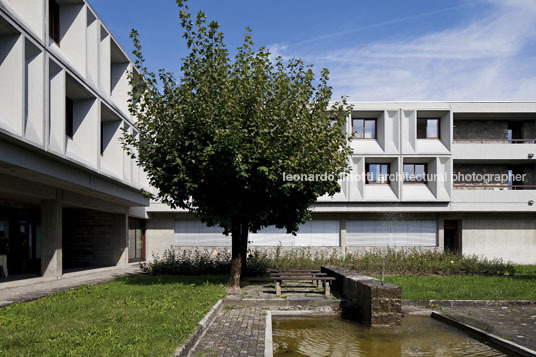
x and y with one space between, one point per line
139 315
521 286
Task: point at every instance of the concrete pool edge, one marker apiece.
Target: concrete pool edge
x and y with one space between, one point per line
268 303
496 341
268 342
454 303
189 344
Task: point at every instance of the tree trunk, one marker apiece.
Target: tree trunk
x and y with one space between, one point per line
236 258
244 247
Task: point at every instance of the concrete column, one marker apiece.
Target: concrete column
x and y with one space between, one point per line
343 235
441 232
460 237
120 242
52 237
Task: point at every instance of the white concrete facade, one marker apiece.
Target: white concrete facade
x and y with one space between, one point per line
407 215
63 104
88 66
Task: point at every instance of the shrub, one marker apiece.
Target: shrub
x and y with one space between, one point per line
189 262
397 261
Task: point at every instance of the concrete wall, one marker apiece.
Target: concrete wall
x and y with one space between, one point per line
500 236
159 234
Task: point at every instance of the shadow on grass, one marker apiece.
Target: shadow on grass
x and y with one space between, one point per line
523 277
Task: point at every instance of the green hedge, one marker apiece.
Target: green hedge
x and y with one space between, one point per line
397 261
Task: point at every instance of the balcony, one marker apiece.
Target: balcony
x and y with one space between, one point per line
503 136
494 187
493 200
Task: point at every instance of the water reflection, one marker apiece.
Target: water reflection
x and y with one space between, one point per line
333 336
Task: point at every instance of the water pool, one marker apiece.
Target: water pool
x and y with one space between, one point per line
336 336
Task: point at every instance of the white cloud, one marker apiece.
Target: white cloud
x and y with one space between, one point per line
488 59
277 50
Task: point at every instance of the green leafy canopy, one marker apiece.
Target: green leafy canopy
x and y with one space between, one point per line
218 140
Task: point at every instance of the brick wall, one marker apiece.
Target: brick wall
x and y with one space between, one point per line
490 129
370 301
91 238
493 169
480 129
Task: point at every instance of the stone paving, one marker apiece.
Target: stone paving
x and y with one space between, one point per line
239 330
35 288
236 331
513 322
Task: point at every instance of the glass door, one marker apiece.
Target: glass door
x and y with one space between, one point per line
136 240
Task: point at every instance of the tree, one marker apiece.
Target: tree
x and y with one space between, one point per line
219 140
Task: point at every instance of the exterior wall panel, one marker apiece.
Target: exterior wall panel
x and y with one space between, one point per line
493 237
320 233
388 233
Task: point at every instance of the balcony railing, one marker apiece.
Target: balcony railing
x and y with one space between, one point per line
496 141
495 187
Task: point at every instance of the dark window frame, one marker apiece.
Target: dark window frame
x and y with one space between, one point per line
367 173
364 124
54 21
102 138
69 117
426 128
425 181
515 132
138 223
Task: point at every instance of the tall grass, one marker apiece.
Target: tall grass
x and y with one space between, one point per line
397 261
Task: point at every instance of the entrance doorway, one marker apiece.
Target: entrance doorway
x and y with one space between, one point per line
20 241
452 239
136 240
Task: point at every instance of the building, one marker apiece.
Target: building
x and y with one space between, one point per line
67 189
70 198
461 178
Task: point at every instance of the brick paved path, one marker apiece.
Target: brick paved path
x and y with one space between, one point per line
236 331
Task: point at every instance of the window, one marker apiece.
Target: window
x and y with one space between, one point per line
364 128
514 133
427 128
415 173
54 21
377 173
69 127
394 233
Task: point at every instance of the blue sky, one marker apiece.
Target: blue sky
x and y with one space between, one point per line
375 50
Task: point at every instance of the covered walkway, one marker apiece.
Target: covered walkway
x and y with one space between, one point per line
35 288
